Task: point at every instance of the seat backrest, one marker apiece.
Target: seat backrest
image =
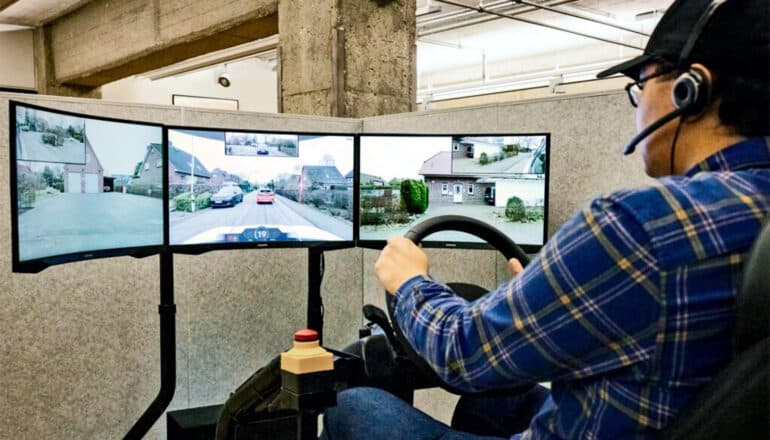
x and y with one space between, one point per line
736 404
752 322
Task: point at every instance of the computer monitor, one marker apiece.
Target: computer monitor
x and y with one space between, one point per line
499 179
83 187
234 188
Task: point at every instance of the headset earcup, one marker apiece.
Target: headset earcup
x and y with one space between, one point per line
690 92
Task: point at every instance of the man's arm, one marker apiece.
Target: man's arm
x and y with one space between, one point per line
589 303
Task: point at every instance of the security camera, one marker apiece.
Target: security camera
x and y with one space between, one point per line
223 79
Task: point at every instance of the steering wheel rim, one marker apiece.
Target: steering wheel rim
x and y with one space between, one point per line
417 233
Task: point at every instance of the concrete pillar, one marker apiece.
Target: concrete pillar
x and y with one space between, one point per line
45 73
348 58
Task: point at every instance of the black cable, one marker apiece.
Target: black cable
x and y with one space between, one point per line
673 145
320 280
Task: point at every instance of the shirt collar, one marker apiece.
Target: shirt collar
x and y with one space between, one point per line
750 153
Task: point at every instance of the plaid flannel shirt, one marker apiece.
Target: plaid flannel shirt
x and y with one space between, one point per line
627 310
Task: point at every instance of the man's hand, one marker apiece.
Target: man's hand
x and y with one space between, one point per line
399 261
515 266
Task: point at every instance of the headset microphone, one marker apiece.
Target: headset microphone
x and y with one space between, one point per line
631 146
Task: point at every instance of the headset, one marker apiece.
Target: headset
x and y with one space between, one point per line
692 91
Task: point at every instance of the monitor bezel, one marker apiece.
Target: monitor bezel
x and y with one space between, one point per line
528 248
200 248
39 264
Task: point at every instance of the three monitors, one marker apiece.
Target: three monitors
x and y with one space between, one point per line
87 187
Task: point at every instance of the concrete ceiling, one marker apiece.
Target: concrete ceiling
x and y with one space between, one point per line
36 12
457 47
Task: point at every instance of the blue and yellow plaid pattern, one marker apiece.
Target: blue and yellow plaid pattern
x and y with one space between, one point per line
627 310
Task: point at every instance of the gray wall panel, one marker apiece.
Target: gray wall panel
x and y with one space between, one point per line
267 121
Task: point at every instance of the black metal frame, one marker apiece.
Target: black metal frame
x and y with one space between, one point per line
379 244
197 249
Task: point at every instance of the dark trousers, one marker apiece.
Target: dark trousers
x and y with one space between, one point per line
372 414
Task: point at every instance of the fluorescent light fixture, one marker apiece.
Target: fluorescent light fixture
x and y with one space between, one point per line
516 82
264 48
13 27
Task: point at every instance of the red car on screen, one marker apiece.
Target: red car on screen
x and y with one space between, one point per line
265 195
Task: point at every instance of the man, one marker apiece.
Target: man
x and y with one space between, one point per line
628 309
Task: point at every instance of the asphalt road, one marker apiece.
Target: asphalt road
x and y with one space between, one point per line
70 222
185 225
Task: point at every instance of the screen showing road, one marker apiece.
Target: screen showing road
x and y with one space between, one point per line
85 184
499 180
227 187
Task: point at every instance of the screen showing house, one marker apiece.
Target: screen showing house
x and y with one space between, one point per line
85 184
241 187
499 180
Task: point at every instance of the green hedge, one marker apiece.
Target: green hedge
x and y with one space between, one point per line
414 195
203 201
182 201
514 209
146 189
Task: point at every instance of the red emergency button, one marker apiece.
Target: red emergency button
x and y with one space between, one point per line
306 335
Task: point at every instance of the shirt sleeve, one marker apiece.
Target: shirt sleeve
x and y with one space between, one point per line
587 304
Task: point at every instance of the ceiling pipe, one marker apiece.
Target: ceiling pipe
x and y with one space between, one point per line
483 10
470 18
579 16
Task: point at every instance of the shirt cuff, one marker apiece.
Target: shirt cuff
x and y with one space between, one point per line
409 286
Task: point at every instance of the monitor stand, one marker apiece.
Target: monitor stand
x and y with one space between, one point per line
167 310
315 307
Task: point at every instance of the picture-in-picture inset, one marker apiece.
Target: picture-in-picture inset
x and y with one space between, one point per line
217 196
261 144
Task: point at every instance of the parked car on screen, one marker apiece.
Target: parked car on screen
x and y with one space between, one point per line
536 163
228 195
262 149
265 195
489 196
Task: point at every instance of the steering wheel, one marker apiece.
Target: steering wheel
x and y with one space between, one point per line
494 237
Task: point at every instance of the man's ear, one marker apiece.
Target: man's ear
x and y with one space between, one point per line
707 88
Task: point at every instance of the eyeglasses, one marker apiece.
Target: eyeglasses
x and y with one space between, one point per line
634 89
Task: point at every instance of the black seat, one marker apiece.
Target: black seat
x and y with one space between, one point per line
735 404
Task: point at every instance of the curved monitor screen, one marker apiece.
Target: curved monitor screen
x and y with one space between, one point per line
240 188
498 179
84 185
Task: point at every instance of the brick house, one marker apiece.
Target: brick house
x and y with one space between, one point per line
180 165
319 177
446 187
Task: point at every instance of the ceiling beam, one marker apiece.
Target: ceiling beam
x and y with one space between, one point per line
5 3
61 13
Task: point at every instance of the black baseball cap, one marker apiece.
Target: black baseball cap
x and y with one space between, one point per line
735 40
